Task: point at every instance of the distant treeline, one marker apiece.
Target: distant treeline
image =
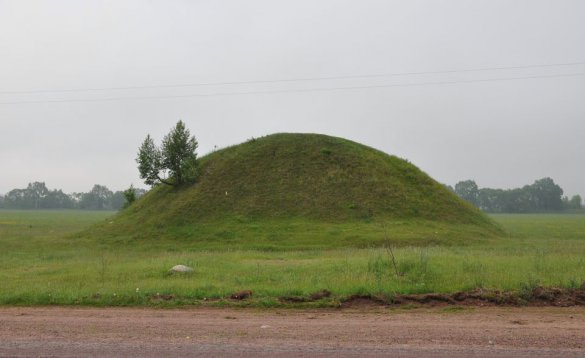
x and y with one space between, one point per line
541 196
37 196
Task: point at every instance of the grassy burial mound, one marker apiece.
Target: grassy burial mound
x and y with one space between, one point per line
301 190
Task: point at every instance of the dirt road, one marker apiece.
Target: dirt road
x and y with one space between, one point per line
126 332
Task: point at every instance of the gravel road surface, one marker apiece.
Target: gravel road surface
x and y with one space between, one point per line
146 332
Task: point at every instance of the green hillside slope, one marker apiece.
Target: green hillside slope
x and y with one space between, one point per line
310 180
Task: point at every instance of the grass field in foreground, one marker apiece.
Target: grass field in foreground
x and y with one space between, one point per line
40 263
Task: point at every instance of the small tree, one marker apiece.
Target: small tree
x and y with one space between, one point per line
129 195
174 163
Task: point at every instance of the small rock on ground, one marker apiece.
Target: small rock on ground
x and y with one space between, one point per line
181 268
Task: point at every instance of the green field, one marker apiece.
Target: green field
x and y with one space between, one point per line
42 262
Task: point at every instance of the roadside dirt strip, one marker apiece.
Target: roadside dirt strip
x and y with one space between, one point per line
434 332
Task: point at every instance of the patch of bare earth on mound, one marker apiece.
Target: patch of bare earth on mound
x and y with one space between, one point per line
379 331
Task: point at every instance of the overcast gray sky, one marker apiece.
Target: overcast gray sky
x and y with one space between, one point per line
502 126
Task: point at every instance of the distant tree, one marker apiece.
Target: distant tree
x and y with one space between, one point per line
118 200
57 199
17 199
76 198
541 196
32 197
174 163
491 200
515 200
576 202
37 196
36 193
468 190
99 198
546 195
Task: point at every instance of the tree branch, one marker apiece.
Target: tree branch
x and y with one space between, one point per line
164 181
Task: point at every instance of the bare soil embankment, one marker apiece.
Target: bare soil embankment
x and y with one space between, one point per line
535 297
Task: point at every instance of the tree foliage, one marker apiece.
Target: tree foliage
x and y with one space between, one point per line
129 195
37 196
544 195
174 163
467 190
149 162
97 199
575 202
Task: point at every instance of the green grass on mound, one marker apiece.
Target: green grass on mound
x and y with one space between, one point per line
301 190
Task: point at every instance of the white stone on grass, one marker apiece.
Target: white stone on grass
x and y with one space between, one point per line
181 268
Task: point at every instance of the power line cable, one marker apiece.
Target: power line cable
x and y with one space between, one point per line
204 84
327 89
